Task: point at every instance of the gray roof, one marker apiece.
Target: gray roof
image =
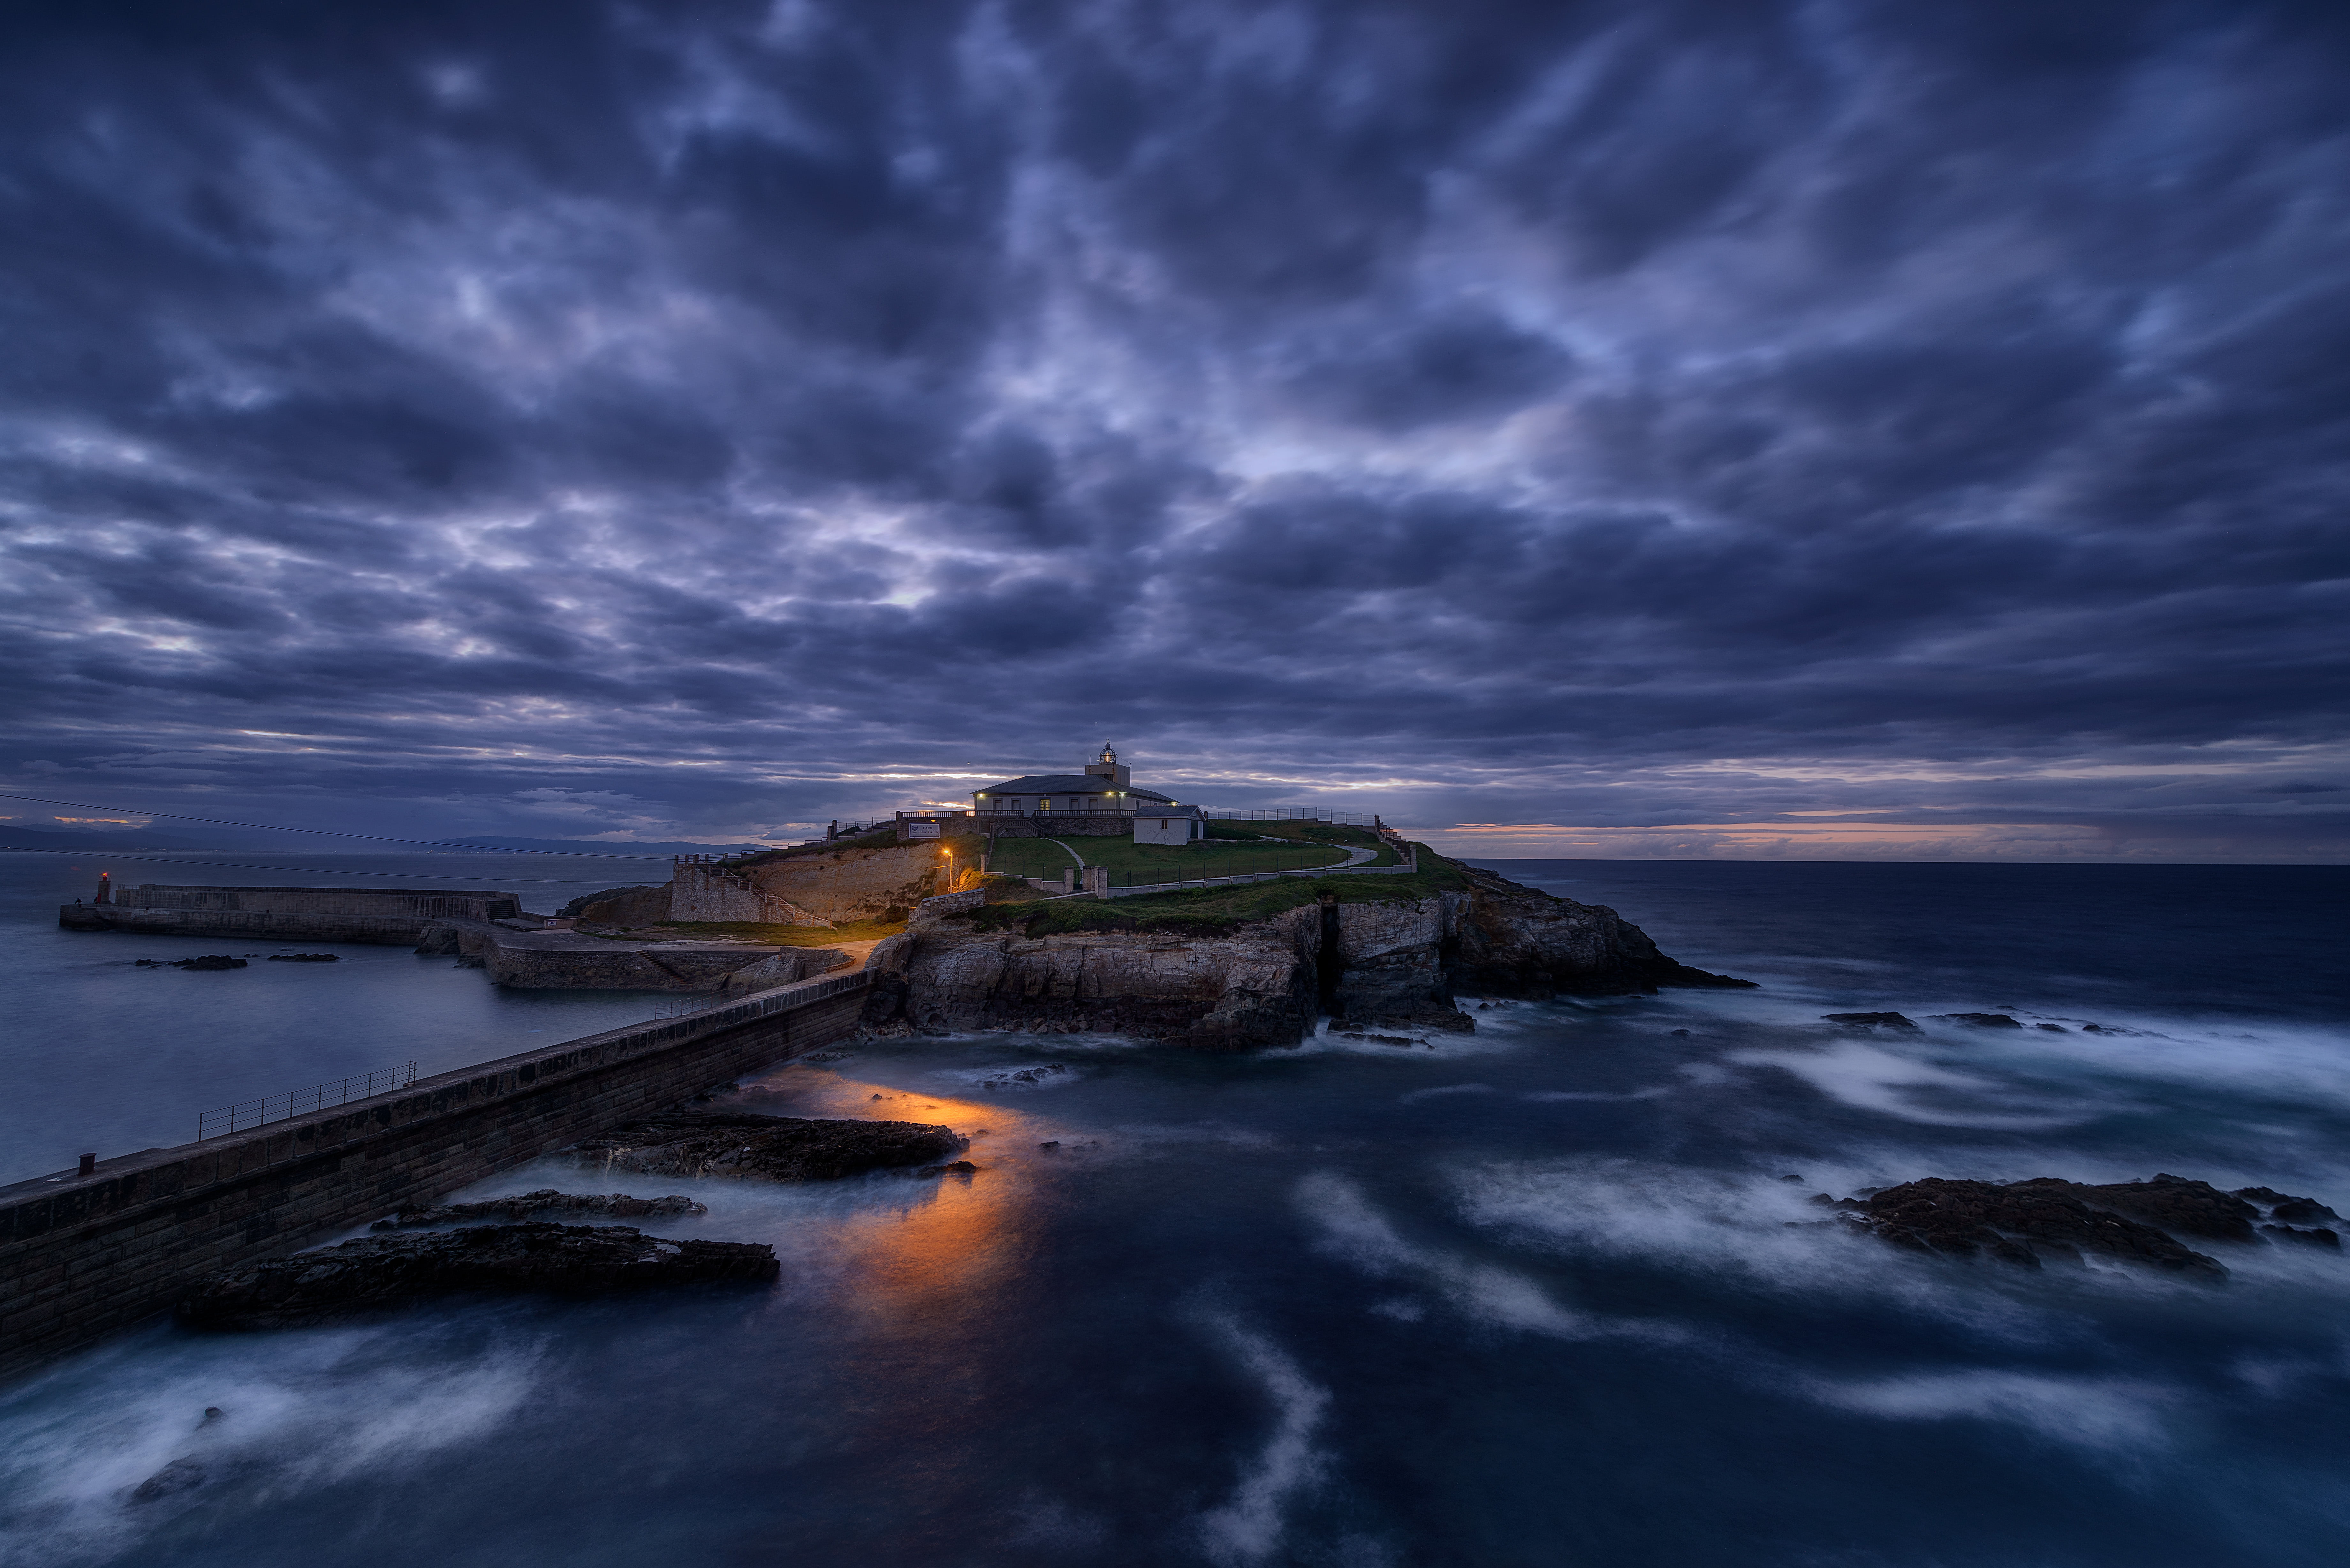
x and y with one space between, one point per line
1069 783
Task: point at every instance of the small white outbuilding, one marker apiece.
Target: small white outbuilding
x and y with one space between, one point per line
1167 824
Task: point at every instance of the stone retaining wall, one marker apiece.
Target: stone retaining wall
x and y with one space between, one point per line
1014 824
85 1256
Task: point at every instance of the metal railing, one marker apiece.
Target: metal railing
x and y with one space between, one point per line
247 1114
1293 814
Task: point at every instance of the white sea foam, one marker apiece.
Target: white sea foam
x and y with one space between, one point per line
2278 1061
1353 1229
302 1409
2084 1412
1428 1044
1754 1228
1249 1526
1865 1074
1416 1095
1541 1097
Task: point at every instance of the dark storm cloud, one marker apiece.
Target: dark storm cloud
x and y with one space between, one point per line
574 419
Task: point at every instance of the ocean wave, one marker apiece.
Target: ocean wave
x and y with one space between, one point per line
1249 1526
299 1410
2104 1413
1870 1077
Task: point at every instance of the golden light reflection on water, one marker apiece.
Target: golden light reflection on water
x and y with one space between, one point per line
957 1239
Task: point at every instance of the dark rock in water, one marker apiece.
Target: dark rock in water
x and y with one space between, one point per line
179 1475
2284 1206
613 1206
305 957
960 1168
777 1148
375 1273
1870 1019
2174 1202
1026 1076
2023 1224
210 960
1383 1039
2319 1237
2052 1028
1979 1020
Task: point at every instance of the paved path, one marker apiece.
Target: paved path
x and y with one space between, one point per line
1073 854
1356 853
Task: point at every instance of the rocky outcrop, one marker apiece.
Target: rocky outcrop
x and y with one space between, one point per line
1869 1020
375 1273
2047 1219
1513 940
786 968
2023 1224
1368 962
1257 986
1383 964
626 907
775 1149
544 1201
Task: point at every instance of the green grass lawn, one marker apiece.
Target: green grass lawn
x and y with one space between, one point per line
1133 865
1210 911
1319 832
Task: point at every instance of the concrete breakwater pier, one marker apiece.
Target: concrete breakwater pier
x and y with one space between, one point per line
393 916
489 930
84 1255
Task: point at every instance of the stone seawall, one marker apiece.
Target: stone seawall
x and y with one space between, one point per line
249 925
85 1256
398 903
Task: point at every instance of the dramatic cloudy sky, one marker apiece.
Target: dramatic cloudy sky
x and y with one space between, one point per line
1878 427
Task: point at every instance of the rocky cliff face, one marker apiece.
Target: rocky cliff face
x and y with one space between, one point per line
1256 987
861 884
1376 964
1513 940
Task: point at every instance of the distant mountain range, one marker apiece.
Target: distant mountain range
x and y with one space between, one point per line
85 842
607 847
97 841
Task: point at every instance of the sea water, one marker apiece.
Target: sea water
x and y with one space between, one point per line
1546 1294
98 1055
